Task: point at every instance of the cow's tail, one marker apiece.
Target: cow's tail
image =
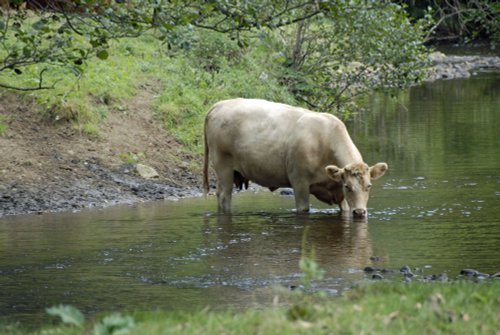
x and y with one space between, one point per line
206 160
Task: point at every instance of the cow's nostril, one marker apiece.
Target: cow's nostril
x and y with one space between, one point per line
359 212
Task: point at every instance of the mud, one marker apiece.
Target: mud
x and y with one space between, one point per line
100 187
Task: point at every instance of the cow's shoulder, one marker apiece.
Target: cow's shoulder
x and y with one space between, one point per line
320 121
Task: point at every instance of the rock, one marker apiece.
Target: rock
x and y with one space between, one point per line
405 269
146 172
452 67
469 272
375 259
369 269
286 191
437 57
377 276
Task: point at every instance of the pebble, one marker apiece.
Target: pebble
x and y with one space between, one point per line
469 272
286 191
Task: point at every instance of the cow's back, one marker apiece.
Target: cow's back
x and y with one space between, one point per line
252 136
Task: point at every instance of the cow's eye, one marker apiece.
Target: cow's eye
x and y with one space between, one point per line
348 188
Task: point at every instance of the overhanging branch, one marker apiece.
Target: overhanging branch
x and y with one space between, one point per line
27 89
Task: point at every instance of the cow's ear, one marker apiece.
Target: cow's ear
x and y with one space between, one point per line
334 172
378 170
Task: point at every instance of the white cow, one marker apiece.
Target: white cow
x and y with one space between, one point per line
276 145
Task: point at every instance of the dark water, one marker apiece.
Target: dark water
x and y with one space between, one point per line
438 209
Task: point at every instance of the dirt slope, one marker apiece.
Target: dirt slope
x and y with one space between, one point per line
53 167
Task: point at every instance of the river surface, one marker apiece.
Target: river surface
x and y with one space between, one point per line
437 209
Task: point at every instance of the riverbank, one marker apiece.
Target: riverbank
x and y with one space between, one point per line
379 308
53 167
457 67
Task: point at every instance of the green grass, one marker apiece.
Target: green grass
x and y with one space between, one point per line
186 83
379 308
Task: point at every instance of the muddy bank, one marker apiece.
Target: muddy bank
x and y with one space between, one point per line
96 187
48 167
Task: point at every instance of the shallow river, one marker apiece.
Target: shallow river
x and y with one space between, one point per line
437 209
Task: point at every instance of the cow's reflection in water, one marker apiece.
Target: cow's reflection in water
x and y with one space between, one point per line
268 247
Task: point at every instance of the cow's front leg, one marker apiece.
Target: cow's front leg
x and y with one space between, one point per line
301 192
224 188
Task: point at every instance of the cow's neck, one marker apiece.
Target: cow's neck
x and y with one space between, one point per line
347 153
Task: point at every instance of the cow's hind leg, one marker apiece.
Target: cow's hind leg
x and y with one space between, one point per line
224 187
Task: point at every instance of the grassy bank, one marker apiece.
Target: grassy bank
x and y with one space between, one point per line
186 82
379 308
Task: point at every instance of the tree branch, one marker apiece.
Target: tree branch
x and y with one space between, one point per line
26 89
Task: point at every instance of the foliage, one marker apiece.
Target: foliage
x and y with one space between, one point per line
114 324
68 33
3 125
132 157
331 61
68 314
308 265
326 56
378 308
195 79
459 20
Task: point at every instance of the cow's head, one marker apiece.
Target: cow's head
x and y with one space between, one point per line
356 183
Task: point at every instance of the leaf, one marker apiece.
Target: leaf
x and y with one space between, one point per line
68 314
115 324
38 25
103 54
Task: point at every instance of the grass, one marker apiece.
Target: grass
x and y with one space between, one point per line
379 308
187 83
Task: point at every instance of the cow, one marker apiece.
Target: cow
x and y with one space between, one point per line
277 145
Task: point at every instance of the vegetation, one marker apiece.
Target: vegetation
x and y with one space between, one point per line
379 308
458 20
82 62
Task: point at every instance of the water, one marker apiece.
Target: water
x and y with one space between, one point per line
437 209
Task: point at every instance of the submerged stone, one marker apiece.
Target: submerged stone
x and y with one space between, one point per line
469 272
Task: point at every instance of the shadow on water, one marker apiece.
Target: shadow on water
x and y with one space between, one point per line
436 209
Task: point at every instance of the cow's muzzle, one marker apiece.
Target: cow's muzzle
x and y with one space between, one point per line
359 213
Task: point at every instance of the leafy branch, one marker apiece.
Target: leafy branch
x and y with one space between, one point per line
69 33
